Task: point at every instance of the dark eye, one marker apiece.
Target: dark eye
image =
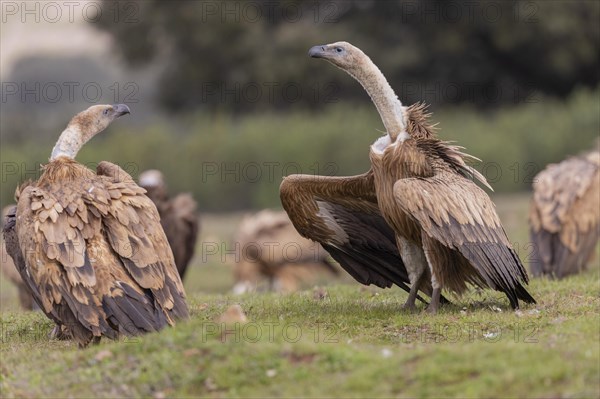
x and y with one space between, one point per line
339 49
105 112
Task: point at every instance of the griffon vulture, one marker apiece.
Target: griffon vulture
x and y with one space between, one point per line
178 217
95 256
271 248
564 218
9 269
444 223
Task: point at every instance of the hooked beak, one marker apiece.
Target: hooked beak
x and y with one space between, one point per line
120 110
317 52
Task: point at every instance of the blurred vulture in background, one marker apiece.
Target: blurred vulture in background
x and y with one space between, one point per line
10 272
564 216
178 217
447 231
94 255
271 248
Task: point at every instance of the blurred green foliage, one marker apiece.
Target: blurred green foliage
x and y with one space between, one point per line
431 50
232 163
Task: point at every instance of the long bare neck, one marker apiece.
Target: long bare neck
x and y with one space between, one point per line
69 143
388 105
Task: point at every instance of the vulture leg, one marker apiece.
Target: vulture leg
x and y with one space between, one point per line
272 283
414 291
416 265
435 300
59 333
435 262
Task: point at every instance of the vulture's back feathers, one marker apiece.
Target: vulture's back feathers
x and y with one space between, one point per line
564 216
95 251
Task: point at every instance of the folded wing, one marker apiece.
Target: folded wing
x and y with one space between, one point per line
457 213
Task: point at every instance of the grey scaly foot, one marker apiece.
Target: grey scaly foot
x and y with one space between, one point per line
412 296
434 305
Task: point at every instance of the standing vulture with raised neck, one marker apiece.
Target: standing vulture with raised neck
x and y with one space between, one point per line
444 223
178 217
95 256
564 217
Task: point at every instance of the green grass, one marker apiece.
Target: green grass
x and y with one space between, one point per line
356 342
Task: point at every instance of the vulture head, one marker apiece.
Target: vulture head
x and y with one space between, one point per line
97 117
341 54
84 126
152 178
358 65
154 183
8 212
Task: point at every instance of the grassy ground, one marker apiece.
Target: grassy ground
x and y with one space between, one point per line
341 340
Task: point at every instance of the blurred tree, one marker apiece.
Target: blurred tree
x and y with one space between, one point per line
249 55
60 95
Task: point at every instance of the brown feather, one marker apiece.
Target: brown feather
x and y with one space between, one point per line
180 221
96 253
9 269
564 215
